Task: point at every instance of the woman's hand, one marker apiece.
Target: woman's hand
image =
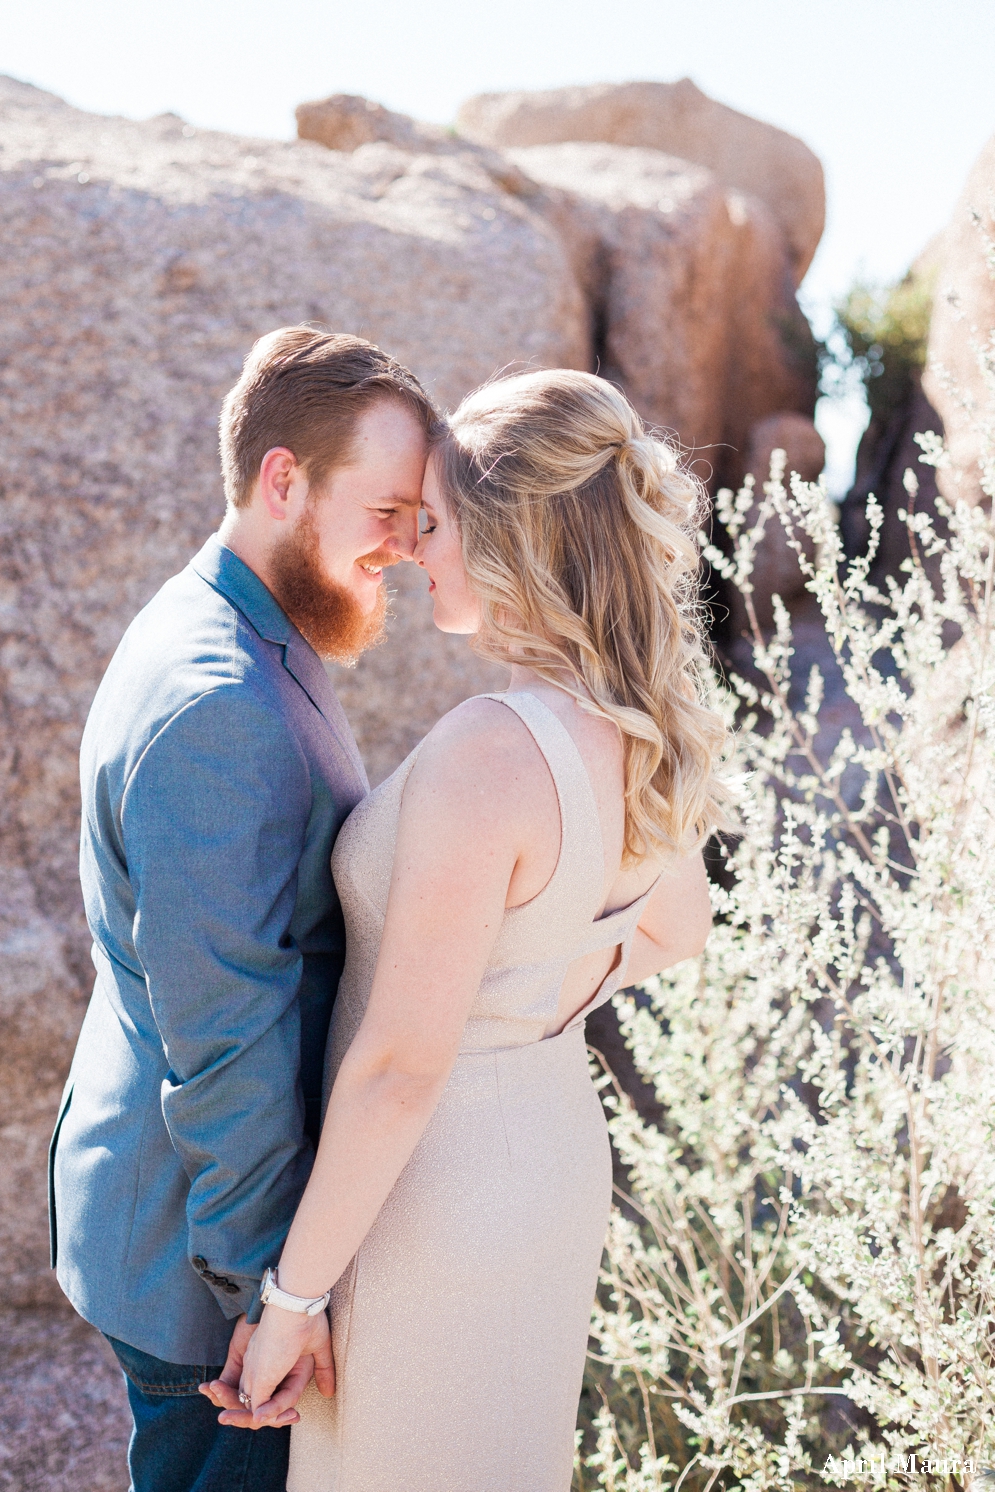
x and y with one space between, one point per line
284 1351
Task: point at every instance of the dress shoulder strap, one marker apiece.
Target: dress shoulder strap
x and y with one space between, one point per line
582 851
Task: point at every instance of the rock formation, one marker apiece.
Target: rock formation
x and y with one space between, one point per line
693 310
345 121
689 280
679 119
958 378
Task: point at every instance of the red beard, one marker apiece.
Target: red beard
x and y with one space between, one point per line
325 613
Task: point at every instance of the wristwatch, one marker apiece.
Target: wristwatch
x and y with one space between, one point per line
271 1294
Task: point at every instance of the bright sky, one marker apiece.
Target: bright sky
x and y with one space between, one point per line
894 96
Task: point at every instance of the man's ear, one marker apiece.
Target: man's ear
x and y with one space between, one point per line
280 480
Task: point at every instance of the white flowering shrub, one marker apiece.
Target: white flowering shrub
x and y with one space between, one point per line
801 1289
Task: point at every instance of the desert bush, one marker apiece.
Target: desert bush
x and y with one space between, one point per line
882 333
800 1286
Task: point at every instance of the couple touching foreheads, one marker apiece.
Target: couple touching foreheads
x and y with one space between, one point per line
283 955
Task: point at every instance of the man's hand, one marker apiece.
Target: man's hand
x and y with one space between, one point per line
314 1356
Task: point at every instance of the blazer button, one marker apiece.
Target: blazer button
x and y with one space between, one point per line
199 1263
231 1288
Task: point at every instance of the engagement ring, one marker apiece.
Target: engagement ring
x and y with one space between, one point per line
244 1399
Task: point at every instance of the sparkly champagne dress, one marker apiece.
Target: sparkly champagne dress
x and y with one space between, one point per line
460 1327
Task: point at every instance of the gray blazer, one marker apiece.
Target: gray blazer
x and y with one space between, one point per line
217 767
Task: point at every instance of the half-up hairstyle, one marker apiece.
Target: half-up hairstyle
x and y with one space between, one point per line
577 532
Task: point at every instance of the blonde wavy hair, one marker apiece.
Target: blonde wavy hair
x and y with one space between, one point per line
577 531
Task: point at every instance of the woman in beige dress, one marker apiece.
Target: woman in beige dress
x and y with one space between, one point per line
537 850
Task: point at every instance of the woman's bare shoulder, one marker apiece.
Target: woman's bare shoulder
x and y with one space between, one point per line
480 748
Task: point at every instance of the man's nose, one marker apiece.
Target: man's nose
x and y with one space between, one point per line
405 536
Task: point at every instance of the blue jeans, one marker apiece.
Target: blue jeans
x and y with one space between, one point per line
177 1444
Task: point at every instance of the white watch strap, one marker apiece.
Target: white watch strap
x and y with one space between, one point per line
271 1294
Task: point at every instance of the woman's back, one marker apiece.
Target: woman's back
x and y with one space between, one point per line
557 946
598 743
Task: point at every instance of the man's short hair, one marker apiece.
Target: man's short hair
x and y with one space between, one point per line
305 388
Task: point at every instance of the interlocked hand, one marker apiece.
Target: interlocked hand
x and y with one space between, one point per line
311 1335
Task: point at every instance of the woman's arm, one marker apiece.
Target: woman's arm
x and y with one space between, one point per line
464 817
676 922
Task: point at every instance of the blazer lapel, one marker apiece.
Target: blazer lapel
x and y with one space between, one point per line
300 659
223 569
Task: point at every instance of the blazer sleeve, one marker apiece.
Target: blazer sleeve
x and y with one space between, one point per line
214 819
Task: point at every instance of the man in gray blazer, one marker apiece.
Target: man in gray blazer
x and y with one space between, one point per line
217 767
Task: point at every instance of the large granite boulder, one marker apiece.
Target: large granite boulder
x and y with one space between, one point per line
345 121
693 309
679 119
957 380
688 278
652 244
141 260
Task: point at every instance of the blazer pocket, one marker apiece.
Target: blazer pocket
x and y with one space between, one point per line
53 1231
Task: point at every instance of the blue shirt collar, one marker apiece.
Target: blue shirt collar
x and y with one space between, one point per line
223 570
